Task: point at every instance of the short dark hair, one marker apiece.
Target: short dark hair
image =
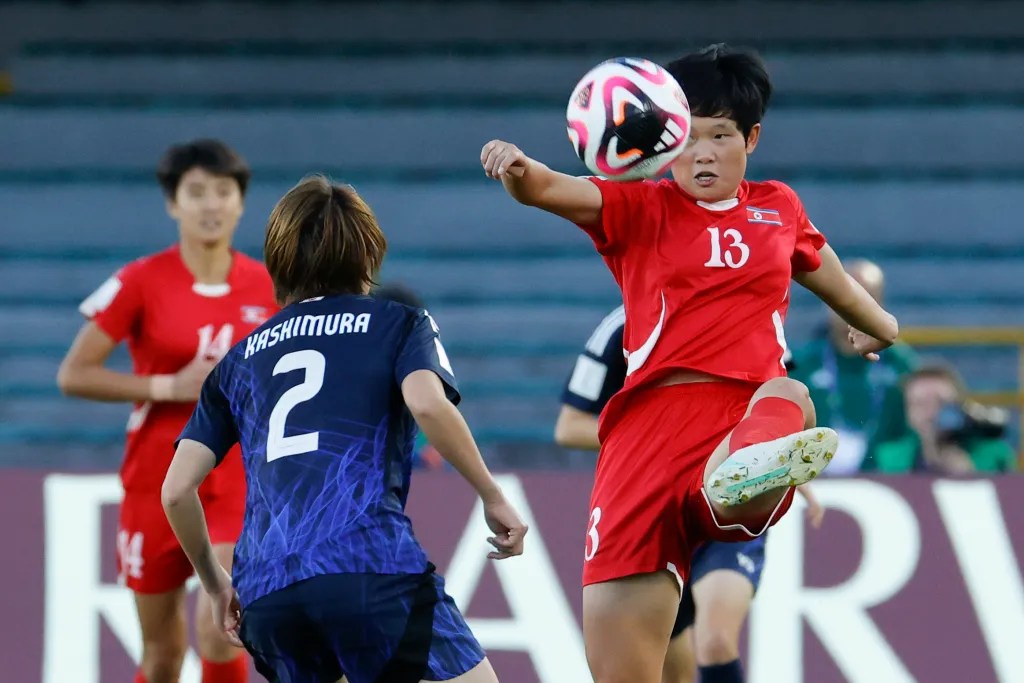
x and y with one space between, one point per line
720 80
399 292
937 368
210 155
322 239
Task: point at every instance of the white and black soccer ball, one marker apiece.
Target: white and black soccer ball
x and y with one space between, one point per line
628 119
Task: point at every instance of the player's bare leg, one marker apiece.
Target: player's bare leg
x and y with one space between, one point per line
626 626
722 600
785 446
214 648
164 634
481 673
680 663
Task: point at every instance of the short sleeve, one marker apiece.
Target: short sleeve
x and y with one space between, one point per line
623 206
212 423
806 257
600 370
116 305
422 350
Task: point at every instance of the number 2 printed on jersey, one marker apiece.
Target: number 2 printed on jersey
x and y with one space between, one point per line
313 365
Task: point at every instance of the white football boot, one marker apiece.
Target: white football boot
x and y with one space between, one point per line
791 460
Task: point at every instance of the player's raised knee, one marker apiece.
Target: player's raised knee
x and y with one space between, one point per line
783 387
791 390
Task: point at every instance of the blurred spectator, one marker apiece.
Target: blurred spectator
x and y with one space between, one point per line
424 455
950 434
861 400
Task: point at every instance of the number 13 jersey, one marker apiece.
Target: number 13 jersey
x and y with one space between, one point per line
705 286
314 397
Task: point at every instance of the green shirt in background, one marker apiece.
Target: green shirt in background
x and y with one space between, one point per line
855 396
988 455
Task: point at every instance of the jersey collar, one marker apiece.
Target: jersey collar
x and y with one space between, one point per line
720 207
213 291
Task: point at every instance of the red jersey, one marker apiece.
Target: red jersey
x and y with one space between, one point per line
705 286
169 319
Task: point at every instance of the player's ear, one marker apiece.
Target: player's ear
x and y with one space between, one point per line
172 209
752 138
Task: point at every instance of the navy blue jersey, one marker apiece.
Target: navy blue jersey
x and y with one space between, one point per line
314 397
601 369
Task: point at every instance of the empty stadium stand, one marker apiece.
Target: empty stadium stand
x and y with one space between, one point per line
898 124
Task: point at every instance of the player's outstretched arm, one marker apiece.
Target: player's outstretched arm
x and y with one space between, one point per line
191 465
534 184
876 328
576 428
448 432
83 373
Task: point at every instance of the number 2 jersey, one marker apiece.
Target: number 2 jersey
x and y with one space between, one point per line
168 319
705 286
314 397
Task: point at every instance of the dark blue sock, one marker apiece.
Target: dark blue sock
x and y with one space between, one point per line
730 672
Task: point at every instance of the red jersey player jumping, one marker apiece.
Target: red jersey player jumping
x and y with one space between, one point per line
180 310
708 439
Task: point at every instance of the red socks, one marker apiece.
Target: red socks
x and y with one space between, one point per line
235 671
769 419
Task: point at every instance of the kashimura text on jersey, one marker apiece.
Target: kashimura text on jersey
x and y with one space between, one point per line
307 326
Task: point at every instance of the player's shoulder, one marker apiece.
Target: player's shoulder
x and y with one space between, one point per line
395 310
767 190
607 330
247 265
407 315
150 265
251 274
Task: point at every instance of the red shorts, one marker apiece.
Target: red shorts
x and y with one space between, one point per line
648 512
149 559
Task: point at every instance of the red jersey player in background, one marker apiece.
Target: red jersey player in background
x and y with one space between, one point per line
179 310
708 439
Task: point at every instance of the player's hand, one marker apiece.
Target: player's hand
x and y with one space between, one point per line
508 527
227 611
815 512
866 345
188 381
500 158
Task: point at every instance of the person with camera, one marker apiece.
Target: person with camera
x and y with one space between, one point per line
861 400
950 434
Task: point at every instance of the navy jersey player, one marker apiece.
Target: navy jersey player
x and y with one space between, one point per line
724 576
324 398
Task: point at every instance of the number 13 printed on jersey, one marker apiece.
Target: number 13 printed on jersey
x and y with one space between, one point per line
735 253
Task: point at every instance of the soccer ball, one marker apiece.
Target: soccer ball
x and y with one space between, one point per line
628 119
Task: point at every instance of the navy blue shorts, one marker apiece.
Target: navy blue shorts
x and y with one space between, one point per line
373 628
747 558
